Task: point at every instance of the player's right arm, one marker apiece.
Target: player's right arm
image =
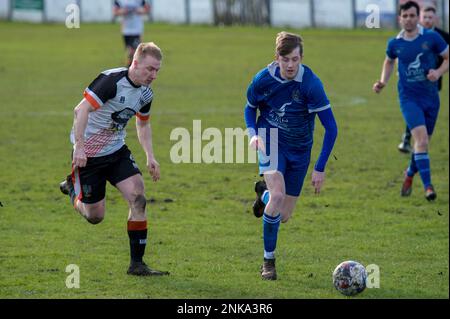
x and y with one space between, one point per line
102 89
81 115
388 67
250 111
118 10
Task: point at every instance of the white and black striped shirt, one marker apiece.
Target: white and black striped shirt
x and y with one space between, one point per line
116 100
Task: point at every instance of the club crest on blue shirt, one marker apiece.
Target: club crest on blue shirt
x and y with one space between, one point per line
268 92
416 63
425 46
296 95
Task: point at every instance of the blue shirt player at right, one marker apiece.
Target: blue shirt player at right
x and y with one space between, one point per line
416 49
288 96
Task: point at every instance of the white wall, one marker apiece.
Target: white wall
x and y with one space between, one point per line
293 13
55 10
388 12
4 9
173 11
28 15
386 5
202 11
96 11
332 13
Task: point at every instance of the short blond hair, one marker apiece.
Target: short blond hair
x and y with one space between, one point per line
287 42
148 48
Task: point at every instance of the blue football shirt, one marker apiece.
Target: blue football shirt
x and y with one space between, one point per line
289 105
415 59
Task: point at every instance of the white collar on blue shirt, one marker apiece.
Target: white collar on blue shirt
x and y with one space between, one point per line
273 68
401 35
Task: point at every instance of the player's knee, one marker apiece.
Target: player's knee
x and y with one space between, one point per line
277 198
95 213
421 144
95 219
139 202
285 219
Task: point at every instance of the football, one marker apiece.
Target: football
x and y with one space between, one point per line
349 278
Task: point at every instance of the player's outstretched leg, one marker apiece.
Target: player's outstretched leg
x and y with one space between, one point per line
423 165
259 204
270 230
137 232
270 234
271 221
132 188
422 135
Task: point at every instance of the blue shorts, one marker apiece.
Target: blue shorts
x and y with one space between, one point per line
420 112
293 165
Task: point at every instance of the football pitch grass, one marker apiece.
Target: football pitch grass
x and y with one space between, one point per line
201 228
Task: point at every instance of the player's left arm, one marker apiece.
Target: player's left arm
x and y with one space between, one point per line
144 8
434 75
144 133
328 121
439 47
319 103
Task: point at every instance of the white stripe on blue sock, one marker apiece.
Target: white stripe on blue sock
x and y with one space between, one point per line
269 254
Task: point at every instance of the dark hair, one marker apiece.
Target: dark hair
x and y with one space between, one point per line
428 9
408 5
287 42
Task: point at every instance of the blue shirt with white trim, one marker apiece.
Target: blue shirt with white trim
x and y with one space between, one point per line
289 105
415 59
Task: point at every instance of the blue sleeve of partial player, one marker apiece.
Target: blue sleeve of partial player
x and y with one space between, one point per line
440 46
329 123
252 95
250 120
390 52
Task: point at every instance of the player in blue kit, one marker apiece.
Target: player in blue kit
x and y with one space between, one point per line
288 96
416 49
428 19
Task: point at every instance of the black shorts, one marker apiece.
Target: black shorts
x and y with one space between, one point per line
90 181
132 41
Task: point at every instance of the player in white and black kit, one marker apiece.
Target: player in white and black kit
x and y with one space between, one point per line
131 12
99 150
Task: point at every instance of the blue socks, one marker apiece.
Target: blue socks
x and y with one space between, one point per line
422 161
412 168
270 230
270 233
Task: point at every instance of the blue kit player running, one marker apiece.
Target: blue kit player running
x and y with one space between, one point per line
288 96
416 48
428 19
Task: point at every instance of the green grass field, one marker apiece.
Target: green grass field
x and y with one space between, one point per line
207 237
